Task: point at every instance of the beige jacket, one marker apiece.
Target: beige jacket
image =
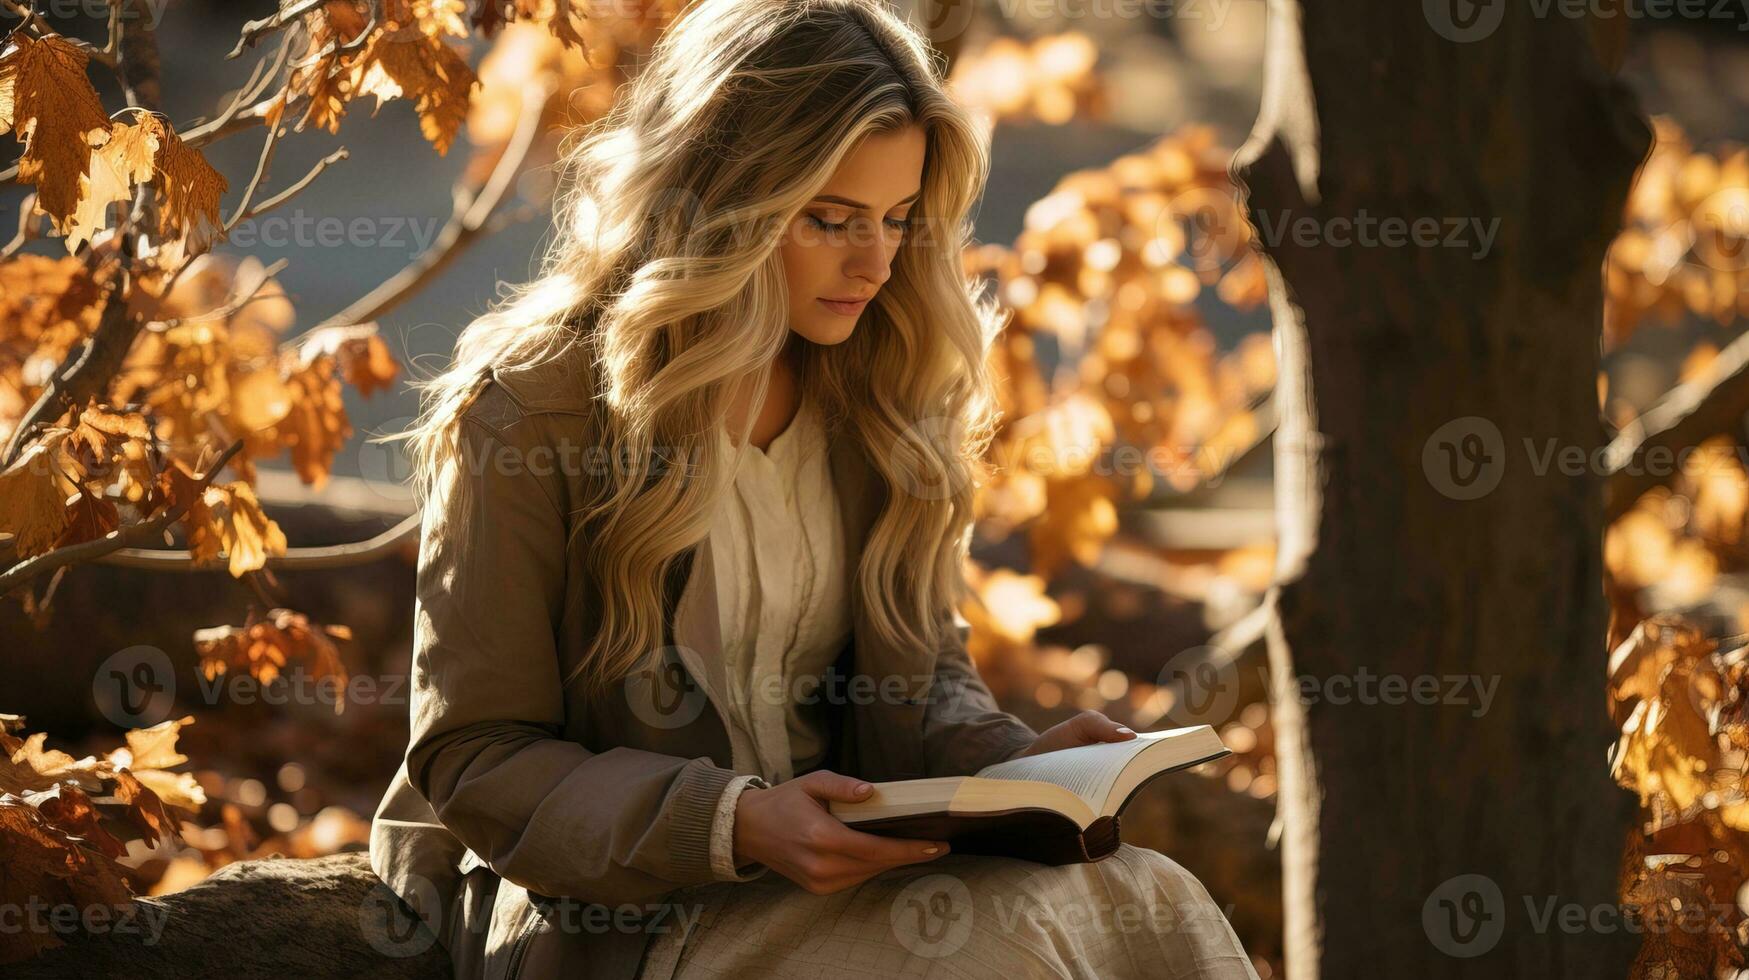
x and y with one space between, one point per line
536 830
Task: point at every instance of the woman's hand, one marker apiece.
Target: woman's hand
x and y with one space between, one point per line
787 828
1085 728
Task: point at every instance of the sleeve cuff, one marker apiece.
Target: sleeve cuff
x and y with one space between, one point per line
723 832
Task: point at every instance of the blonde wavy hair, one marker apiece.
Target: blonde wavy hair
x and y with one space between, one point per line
663 265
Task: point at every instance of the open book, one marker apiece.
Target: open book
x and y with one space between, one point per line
1056 808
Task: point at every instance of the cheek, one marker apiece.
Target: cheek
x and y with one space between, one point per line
807 269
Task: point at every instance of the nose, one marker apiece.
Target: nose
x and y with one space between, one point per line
871 260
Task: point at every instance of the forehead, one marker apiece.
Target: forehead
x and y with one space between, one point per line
882 169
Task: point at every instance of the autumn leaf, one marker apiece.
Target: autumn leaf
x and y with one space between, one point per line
317 426
47 99
189 188
228 519
125 159
28 767
109 447
56 846
145 809
1668 744
148 755
327 81
45 866
265 648
397 62
72 811
364 360
89 517
33 495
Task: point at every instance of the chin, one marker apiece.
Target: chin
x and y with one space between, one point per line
827 334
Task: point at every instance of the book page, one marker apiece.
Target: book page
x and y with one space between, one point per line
1088 771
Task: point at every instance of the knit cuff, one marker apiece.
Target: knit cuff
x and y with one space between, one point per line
723 832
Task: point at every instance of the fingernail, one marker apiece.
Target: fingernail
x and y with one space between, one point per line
1125 728
931 849
863 788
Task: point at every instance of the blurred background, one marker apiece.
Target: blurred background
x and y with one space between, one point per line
1108 228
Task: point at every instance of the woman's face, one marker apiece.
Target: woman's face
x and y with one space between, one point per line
841 245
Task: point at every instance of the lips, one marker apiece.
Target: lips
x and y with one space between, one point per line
845 307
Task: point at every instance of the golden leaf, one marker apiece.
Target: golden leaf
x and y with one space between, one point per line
265 648
124 160
228 519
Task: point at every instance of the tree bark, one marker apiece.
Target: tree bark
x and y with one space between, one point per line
1425 535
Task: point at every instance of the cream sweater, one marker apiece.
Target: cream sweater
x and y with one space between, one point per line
783 603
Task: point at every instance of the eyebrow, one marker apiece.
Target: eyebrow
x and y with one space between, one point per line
847 202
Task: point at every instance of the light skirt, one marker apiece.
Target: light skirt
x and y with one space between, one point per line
1137 914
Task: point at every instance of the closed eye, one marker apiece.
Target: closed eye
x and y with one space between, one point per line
897 224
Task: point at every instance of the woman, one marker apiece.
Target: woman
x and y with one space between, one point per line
696 506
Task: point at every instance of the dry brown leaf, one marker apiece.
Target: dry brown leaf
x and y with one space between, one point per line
46 97
189 188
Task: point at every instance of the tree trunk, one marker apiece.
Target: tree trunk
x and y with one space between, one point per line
1426 541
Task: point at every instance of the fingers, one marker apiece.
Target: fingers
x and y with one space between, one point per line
823 785
876 850
1096 727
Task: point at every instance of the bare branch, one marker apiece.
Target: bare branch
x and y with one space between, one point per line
1687 415
137 58
255 30
28 225
261 165
295 559
287 194
469 219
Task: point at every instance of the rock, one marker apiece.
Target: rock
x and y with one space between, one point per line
278 917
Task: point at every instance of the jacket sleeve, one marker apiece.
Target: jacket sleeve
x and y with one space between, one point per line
963 729
486 747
